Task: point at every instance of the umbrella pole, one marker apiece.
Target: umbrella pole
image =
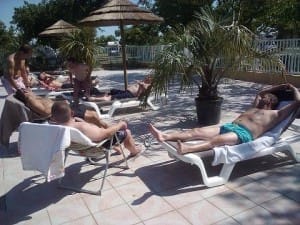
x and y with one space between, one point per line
123 54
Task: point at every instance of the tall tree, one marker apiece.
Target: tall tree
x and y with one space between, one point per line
31 19
284 15
179 12
8 44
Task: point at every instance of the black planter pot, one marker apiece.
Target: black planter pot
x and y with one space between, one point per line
208 111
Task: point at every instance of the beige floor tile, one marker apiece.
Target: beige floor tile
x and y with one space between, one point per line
87 220
122 178
259 216
179 198
171 218
150 206
283 208
257 192
202 213
67 211
108 199
133 192
231 202
118 215
228 221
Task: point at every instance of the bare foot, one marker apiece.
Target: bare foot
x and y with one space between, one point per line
181 148
138 150
118 149
91 99
156 133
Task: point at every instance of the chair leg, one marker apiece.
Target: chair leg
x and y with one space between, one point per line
293 153
81 190
122 152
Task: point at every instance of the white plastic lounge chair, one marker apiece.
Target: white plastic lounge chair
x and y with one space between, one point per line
258 148
116 104
128 103
45 148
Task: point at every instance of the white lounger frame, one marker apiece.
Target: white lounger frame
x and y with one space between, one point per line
120 104
284 144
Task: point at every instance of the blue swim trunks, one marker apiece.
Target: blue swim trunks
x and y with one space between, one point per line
242 132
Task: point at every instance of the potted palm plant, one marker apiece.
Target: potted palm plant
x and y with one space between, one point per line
210 47
79 44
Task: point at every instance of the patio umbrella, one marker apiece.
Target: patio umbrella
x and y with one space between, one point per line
60 28
120 13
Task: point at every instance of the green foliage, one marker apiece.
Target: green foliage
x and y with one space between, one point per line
80 45
210 47
142 35
8 44
179 12
284 15
102 40
31 19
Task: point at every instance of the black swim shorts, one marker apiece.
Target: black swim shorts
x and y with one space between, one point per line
67 86
121 134
120 94
79 110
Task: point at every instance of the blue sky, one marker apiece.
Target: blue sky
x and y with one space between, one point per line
7 11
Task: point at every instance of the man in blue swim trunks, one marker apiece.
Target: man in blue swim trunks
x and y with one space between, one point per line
251 124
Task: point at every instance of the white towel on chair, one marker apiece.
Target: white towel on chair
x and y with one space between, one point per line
42 148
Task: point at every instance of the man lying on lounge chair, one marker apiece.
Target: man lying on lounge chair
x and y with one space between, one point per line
53 83
133 90
246 127
42 106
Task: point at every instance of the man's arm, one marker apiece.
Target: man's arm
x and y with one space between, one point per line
96 133
287 110
70 76
11 71
268 90
24 75
114 128
142 87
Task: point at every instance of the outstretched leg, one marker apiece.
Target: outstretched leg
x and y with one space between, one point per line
202 133
219 140
100 98
129 143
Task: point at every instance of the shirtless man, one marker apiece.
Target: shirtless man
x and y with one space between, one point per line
62 114
52 83
82 80
15 76
247 127
133 90
42 106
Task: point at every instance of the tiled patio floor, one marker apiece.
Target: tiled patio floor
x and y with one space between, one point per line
156 190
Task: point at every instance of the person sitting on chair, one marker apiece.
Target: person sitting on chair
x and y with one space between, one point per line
250 125
133 90
61 114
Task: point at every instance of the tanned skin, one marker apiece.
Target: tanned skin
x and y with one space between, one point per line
258 119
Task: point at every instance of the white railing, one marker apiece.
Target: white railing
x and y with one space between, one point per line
288 51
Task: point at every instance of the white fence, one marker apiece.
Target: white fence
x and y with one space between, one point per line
288 51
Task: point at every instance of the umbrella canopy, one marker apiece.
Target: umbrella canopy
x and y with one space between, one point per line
120 13
60 28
